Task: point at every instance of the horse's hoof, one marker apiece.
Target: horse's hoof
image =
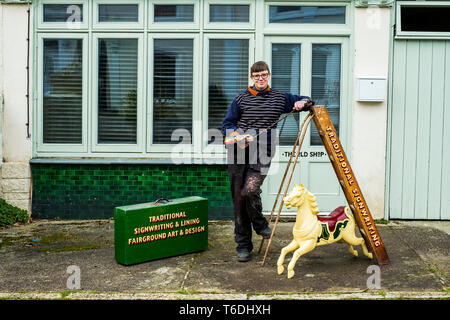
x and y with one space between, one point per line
290 274
370 255
280 269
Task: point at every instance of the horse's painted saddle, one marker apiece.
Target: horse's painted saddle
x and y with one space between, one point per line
333 218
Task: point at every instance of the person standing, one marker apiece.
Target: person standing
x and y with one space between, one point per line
250 113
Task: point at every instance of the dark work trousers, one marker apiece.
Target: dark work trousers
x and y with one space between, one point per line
245 182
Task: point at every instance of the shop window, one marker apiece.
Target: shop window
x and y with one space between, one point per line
423 19
307 14
431 19
286 68
173 13
118 13
228 75
229 13
62 91
173 65
117 90
136 71
62 12
326 83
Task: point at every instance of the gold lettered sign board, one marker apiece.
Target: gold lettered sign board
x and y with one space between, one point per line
149 231
349 185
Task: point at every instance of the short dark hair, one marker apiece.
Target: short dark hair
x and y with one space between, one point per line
259 66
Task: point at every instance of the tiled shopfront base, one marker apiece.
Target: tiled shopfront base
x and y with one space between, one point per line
92 191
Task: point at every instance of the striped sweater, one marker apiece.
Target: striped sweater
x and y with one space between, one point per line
257 110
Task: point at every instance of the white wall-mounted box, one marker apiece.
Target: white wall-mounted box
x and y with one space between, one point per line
372 89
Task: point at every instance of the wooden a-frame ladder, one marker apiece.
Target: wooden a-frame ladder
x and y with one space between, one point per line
348 182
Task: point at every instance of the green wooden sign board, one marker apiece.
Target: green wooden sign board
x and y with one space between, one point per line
149 231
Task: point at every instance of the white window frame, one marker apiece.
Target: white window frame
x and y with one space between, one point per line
309 28
118 24
214 149
178 26
73 26
200 30
165 150
119 147
417 34
229 25
61 147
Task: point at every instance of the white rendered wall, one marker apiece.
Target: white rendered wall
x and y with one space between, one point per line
369 119
16 147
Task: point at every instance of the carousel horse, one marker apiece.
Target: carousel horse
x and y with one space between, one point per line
311 230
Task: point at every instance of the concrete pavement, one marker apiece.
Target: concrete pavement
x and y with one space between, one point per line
38 259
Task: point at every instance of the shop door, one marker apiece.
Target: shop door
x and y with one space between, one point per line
312 67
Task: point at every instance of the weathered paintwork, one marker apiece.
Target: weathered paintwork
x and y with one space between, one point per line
349 184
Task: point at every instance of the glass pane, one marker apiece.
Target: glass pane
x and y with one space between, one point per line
118 12
62 90
174 13
326 83
172 88
229 13
286 62
228 75
63 13
425 19
306 14
117 90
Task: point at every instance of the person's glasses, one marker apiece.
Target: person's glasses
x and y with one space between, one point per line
262 75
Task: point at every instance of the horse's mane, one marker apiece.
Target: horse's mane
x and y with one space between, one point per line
312 202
